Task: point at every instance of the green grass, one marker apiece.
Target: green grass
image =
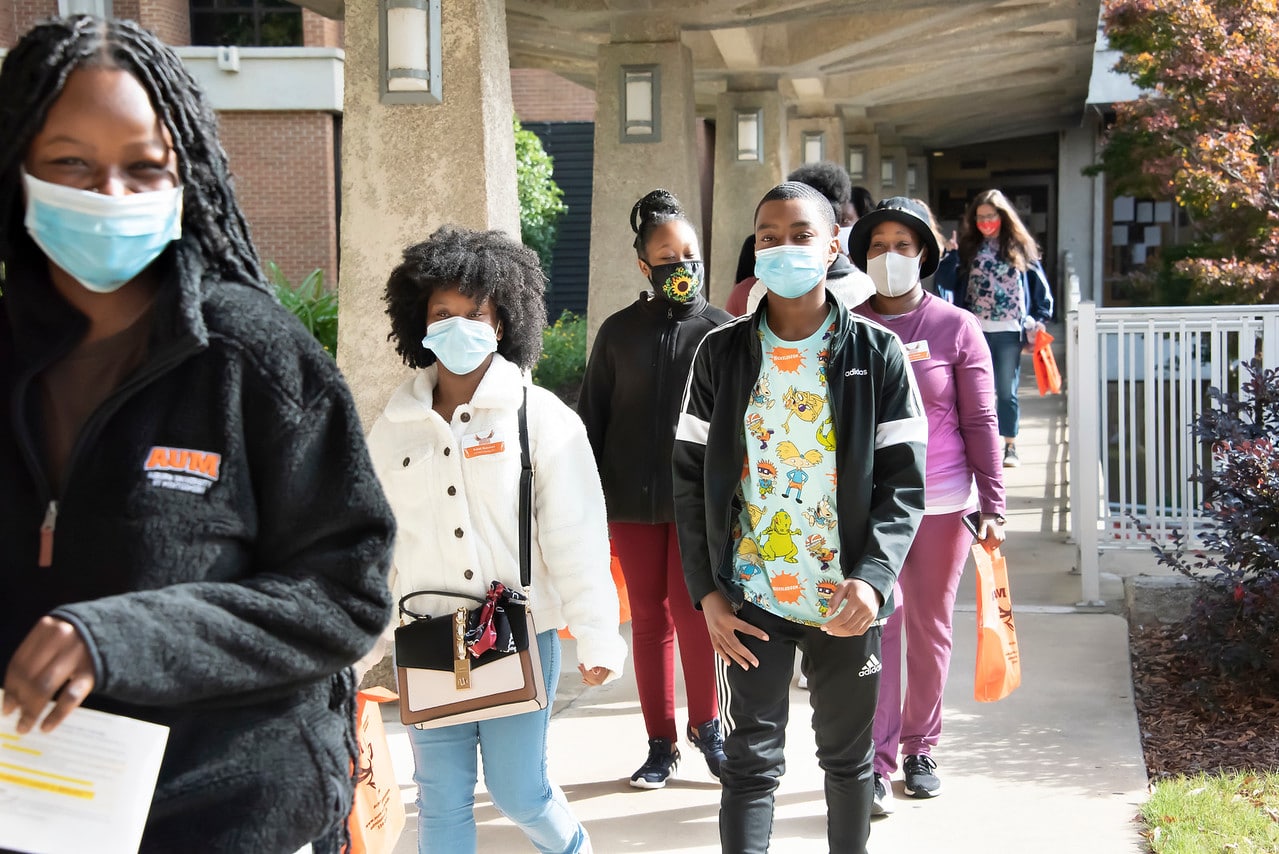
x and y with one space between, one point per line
1208 813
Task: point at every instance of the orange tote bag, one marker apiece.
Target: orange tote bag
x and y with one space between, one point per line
998 660
1047 377
377 816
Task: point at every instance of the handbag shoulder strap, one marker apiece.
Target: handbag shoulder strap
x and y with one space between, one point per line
526 497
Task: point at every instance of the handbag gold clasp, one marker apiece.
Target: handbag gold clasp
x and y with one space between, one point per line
461 661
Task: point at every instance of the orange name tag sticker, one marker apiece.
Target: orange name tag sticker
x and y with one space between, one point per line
482 444
917 351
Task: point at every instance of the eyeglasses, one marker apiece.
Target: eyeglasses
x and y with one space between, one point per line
988 217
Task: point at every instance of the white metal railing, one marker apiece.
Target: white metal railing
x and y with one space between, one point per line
1138 379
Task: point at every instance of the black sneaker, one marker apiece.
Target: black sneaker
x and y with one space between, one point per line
883 804
921 781
707 738
663 756
1011 460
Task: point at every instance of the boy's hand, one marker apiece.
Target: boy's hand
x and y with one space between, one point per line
990 533
594 676
861 605
724 625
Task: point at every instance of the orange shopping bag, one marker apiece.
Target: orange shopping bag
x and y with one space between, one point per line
998 661
623 603
377 817
1046 374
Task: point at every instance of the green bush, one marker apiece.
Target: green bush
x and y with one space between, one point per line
312 303
541 199
563 362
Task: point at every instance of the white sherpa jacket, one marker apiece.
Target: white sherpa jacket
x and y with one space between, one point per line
455 492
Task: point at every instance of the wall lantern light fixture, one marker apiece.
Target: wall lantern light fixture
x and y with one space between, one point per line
409 51
641 111
814 146
750 135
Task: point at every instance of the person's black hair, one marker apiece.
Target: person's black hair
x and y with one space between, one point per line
32 78
656 208
795 190
863 201
829 179
746 259
483 265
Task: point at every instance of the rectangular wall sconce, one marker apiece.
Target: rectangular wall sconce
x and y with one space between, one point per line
912 180
409 51
857 163
750 135
641 112
888 172
814 146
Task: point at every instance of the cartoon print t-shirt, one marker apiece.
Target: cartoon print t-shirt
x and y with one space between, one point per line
787 538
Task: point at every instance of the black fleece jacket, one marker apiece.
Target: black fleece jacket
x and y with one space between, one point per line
630 400
221 543
881 437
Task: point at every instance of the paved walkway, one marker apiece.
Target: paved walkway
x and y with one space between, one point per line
1056 767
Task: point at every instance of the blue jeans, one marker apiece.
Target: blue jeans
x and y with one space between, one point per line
514 754
1005 353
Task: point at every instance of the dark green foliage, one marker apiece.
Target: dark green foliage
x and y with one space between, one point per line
563 361
1235 622
312 303
541 199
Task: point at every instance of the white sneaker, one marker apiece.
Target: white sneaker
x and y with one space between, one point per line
803 681
883 803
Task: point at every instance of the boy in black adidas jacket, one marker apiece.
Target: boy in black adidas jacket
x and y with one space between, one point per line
811 566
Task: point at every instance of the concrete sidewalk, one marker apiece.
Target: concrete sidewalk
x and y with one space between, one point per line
1056 767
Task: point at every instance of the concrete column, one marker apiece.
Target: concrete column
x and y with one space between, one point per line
1079 199
740 184
830 127
408 169
626 170
895 154
868 145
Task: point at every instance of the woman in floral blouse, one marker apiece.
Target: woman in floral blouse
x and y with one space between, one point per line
998 277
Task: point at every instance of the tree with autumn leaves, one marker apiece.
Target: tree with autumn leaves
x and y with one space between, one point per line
1206 134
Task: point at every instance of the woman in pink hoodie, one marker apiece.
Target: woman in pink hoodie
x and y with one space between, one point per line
897 246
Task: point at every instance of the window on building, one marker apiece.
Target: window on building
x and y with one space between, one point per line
247 23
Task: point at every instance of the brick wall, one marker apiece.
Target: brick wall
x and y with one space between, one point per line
319 31
284 178
543 96
8 33
168 19
27 13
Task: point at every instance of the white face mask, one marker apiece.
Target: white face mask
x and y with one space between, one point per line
844 233
894 275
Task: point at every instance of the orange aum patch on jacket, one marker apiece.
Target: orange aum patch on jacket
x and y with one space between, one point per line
182 469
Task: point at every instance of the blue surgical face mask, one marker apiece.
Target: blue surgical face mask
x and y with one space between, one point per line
102 242
790 271
461 344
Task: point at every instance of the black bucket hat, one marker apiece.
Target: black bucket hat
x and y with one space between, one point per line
909 213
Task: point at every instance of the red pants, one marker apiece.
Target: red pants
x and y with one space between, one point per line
660 609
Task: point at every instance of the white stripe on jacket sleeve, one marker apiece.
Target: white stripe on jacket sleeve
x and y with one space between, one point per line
692 429
900 432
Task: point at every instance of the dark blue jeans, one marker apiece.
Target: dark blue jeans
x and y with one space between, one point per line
1005 352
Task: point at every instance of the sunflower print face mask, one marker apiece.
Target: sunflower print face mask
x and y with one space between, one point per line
679 282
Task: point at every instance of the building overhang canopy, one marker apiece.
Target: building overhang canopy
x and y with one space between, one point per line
931 73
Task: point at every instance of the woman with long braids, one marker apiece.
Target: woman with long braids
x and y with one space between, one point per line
192 531
630 403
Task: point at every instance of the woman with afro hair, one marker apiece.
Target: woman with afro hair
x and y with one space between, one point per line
467 313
